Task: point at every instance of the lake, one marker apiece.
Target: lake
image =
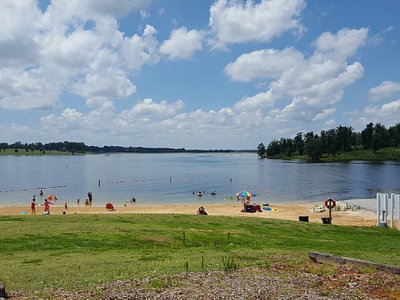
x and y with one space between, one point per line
178 177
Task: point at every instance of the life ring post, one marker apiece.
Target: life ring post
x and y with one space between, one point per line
330 204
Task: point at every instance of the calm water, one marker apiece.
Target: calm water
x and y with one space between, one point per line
173 178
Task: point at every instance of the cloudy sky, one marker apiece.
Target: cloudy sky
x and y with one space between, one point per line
209 74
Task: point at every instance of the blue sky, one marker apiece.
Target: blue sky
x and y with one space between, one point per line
195 74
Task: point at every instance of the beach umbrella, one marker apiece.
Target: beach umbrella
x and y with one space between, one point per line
245 194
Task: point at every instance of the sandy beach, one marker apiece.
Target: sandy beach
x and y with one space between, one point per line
287 211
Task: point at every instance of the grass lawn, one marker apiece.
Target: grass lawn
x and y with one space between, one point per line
383 154
76 251
368 155
35 152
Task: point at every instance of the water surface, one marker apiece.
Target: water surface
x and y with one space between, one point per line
176 178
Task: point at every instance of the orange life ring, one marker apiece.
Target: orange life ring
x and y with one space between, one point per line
330 203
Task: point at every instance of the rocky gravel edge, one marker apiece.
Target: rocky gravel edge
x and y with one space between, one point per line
253 283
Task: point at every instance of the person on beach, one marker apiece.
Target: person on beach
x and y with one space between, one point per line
33 207
201 211
90 196
46 207
78 201
41 193
109 206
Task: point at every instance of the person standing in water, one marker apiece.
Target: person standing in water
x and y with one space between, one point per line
90 196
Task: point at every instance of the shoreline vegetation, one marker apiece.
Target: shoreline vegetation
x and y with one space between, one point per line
374 143
72 148
385 154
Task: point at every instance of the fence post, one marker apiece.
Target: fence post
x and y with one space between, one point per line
378 208
392 209
381 208
398 211
396 199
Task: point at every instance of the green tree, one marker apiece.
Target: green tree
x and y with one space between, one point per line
261 150
273 148
366 136
313 146
379 137
3 146
394 135
344 138
299 143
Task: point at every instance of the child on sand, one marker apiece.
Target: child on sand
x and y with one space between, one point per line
46 207
33 207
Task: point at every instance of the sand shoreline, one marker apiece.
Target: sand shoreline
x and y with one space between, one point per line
285 211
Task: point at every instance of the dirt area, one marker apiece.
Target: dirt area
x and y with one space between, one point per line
278 281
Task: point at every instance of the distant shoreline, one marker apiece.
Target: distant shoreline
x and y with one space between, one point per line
68 148
381 155
23 152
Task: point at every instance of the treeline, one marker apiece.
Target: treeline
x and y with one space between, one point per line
80 147
333 141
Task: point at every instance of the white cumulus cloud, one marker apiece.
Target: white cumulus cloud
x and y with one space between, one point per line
27 89
314 83
182 43
19 38
149 107
342 44
386 113
239 22
324 114
71 47
385 90
267 63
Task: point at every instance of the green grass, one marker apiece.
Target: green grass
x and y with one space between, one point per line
76 251
35 152
370 155
383 154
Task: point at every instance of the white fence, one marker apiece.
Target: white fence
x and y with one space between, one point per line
386 206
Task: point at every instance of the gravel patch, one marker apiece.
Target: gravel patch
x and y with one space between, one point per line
253 283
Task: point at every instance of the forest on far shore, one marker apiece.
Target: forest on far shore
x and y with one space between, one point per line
336 143
80 147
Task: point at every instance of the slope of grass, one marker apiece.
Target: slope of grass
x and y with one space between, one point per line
369 155
365 155
34 152
75 251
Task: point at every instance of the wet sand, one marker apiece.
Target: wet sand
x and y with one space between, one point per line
287 211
